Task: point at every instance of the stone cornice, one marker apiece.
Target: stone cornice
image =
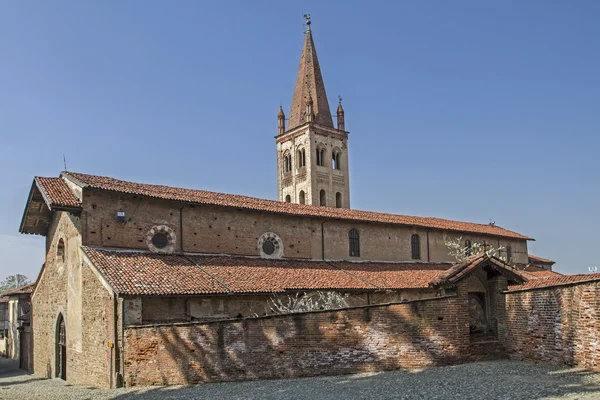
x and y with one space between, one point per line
317 129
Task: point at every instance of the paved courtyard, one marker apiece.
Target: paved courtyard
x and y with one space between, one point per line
483 380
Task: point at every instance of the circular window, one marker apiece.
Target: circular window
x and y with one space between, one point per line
160 240
270 245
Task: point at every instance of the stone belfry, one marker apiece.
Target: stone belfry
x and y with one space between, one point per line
312 154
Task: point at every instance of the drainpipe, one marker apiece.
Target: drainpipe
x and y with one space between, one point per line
181 228
114 347
323 240
428 259
122 363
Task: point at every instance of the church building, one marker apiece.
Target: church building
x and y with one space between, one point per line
146 284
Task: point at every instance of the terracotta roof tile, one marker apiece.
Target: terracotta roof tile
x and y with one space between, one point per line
247 275
56 192
460 270
251 203
395 275
540 260
134 273
143 273
4 299
28 288
557 280
534 272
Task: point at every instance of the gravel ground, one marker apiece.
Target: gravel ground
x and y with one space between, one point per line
483 380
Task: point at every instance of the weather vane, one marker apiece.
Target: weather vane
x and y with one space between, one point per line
307 18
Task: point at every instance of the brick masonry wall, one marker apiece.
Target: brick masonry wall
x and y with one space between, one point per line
236 231
559 325
414 334
73 290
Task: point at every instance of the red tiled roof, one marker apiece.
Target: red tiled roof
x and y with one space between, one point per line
557 280
4 299
395 275
135 273
540 260
28 288
56 193
251 203
247 275
143 273
460 270
534 272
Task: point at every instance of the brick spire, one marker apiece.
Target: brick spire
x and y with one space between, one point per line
309 81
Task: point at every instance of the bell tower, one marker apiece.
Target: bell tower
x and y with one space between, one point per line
312 154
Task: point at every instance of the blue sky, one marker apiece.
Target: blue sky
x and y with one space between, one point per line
466 110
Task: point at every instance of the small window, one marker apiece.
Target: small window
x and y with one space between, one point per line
321 157
301 158
468 248
60 252
354 242
160 240
335 160
301 197
415 245
338 200
508 254
322 198
288 199
287 162
270 245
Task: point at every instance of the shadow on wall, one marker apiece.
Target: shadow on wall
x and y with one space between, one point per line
555 325
364 339
518 380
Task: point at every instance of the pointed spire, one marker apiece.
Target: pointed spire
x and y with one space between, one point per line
280 121
340 115
309 84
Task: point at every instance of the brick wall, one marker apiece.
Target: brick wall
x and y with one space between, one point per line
236 231
414 334
559 325
72 289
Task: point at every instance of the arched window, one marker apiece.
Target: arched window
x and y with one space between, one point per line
287 162
301 196
354 242
288 199
301 158
468 248
415 245
322 198
61 349
338 200
321 156
60 252
333 161
508 254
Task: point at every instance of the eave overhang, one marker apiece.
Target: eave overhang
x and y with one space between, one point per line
39 208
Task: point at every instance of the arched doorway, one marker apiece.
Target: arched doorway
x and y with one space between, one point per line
478 323
61 348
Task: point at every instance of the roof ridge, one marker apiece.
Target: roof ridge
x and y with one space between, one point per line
201 196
